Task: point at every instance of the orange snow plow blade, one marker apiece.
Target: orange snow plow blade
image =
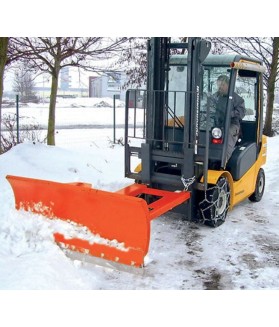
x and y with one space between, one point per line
118 224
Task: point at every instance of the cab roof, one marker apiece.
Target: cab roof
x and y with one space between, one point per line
214 60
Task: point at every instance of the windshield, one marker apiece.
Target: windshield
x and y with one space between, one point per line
177 86
215 86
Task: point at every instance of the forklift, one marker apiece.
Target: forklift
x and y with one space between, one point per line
182 142
175 153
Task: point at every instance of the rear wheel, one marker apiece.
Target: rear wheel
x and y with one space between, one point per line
259 188
215 205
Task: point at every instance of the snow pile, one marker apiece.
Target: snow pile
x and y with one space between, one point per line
29 257
21 234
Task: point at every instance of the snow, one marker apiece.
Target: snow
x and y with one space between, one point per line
242 254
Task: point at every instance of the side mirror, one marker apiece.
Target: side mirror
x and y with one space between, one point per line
204 49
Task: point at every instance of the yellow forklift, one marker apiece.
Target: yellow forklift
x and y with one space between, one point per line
184 143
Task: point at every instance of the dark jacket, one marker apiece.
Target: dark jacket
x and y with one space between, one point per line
238 108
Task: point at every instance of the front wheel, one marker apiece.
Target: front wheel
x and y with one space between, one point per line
216 202
259 188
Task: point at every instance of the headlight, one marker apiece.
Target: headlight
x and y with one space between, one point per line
216 133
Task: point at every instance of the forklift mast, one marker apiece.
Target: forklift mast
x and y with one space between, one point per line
169 149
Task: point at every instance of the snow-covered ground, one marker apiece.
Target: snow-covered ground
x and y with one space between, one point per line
242 254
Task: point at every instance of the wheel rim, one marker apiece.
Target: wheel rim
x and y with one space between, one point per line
221 203
261 185
214 206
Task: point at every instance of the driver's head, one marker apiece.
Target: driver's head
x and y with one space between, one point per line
223 84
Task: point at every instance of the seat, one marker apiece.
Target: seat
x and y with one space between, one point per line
242 158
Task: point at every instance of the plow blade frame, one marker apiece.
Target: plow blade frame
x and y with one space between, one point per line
121 220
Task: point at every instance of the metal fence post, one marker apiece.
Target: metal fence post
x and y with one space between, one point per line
1 127
114 116
17 119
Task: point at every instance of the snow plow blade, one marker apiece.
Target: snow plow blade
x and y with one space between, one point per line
117 224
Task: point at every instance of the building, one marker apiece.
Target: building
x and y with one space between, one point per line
75 82
72 83
107 85
82 84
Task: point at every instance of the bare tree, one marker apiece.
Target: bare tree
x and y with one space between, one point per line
8 55
3 60
51 54
134 61
24 84
271 82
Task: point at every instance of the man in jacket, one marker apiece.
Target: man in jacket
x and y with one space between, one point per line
238 111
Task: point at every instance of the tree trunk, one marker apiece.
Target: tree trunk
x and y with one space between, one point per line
3 59
271 88
52 106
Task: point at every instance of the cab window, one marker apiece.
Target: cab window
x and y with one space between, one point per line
246 87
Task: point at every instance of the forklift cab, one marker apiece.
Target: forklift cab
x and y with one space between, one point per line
244 82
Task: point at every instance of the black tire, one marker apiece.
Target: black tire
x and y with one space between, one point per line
215 205
259 187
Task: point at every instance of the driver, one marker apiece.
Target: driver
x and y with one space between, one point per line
237 113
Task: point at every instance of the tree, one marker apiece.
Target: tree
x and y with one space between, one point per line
272 78
51 54
134 60
24 84
8 55
4 41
